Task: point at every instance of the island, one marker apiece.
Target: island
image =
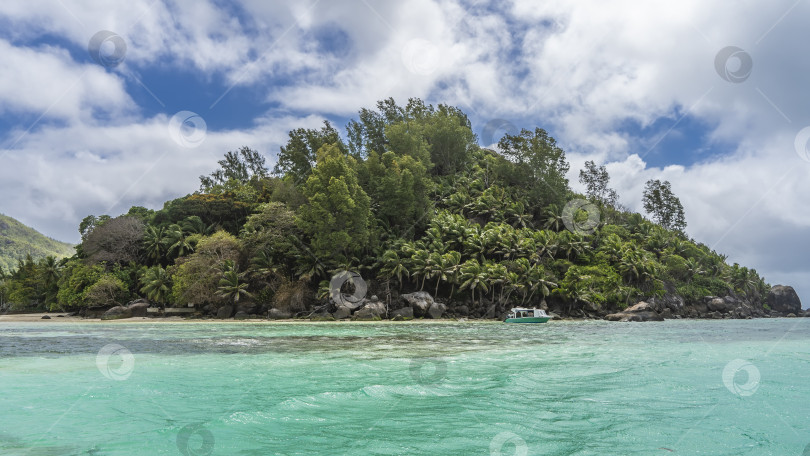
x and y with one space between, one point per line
405 216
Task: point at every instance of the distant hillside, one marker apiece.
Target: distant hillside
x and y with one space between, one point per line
18 240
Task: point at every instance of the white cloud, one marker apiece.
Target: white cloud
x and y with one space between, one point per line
45 81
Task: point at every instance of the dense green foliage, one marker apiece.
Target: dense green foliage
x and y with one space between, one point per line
17 241
411 202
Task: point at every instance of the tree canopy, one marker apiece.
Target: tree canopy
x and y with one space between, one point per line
664 207
410 202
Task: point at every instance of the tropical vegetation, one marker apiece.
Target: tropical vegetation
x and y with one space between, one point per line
409 201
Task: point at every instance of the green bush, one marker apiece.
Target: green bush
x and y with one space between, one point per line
700 286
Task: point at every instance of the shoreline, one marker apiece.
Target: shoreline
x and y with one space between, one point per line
63 317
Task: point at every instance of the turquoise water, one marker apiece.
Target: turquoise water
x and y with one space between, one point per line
563 388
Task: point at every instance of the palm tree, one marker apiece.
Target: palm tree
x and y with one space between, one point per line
612 247
177 241
512 283
571 244
420 266
554 218
433 268
546 244
636 266
50 270
154 243
231 287
497 276
518 216
693 267
474 246
536 280
392 265
474 277
457 201
310 267
195 225
155 284
263 266
507 242
450 269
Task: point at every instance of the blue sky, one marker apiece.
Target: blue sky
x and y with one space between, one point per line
634 86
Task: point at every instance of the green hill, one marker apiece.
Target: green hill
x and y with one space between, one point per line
415 208
18 240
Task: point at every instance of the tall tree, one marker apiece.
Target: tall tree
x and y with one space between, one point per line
539 165
450 139
368 133
596 181
91 222
398 187
119 240
297 158
238 168
336 215
664 207
196 279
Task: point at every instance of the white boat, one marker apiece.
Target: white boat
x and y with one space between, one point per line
524 315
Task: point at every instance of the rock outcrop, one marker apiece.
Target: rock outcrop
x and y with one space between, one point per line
373 310
642 311
247 307
116 313
437 310
342 312
224 312
420 302
405 313
783 299
321 316
278 314
138 307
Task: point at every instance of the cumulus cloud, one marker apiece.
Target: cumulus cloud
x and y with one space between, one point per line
45 80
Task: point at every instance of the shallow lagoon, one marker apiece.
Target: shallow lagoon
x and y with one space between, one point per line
449 388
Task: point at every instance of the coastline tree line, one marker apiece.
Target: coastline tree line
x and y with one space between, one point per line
409 201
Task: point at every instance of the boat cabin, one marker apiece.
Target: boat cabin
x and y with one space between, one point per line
519 312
